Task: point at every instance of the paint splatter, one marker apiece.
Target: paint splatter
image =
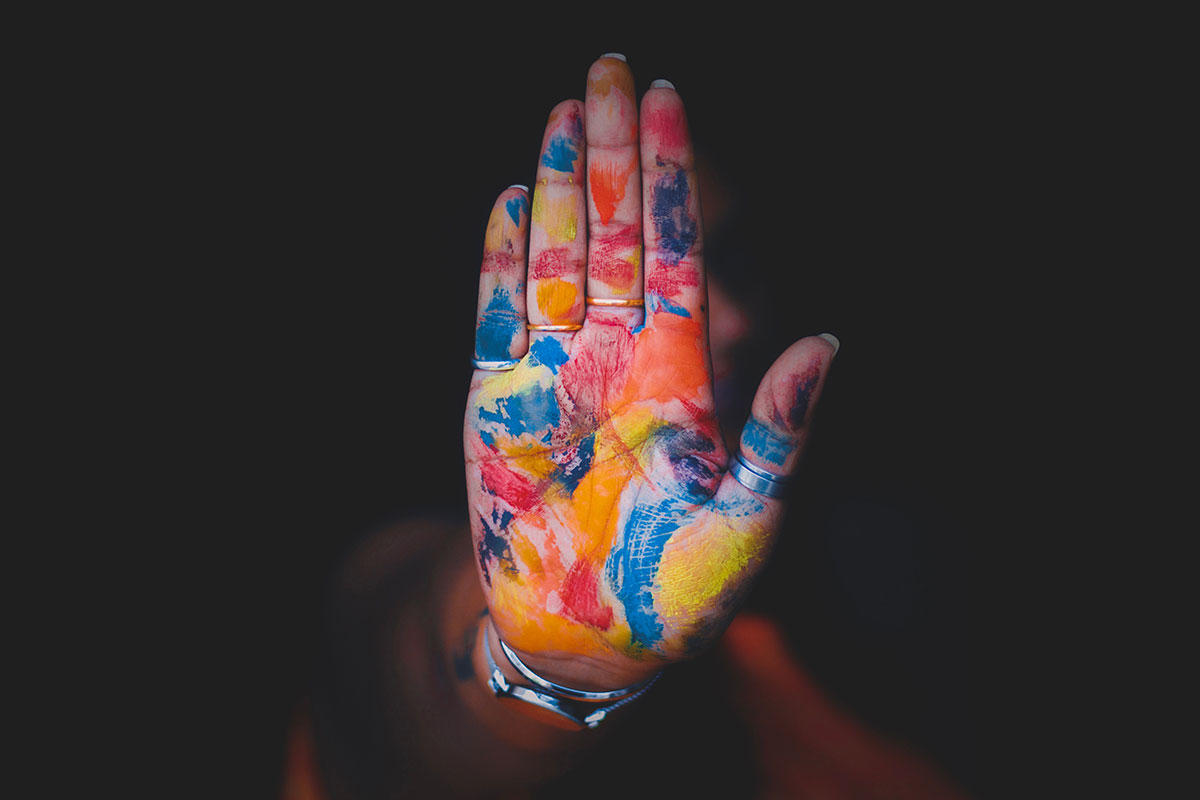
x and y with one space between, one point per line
612 77
666 125
616 257
500 323
656 302
533 409
676 229
556 299
609 182
804 389
561 152
633 564
574 462
515 207
548 352
514 489
681 446
557 216
494 546
552 263
580 593
766 443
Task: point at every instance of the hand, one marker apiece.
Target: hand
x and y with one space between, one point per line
611 539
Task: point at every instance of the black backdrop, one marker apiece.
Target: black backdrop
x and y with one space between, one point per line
312 205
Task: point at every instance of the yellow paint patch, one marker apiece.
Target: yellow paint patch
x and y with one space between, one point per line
556 299
556 216
697 569
612 77
596 501
526 551
500 231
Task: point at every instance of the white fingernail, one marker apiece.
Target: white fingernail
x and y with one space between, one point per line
833 340
615 55
520 186
662 84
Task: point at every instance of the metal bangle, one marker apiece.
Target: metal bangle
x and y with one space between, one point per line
757 479
585 716
495 366
567 691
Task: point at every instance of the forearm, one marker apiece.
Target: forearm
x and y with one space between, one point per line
399 701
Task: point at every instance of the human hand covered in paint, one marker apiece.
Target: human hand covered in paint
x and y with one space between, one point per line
610 537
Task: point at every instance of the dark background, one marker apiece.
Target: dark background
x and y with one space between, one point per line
308 206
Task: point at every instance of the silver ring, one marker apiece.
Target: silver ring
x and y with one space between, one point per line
566 691
495 366
757 479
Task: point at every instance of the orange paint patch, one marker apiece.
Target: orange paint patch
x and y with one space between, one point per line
609 183
617 77
556 299
668 362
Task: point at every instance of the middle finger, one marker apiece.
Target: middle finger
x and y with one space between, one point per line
614 264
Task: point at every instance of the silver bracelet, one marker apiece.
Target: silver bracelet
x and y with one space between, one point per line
585 709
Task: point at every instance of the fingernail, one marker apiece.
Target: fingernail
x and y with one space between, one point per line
615 55
662 84
833 340
520 186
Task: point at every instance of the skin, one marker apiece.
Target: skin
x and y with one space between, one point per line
640 387
610 539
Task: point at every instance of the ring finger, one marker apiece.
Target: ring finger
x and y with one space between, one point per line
557 251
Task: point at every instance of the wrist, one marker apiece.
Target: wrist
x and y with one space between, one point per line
510 723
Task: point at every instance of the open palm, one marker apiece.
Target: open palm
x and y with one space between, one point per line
610 537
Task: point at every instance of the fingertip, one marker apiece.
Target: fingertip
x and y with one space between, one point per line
833 340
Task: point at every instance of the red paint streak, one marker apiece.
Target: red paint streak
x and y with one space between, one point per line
598 368
666 125
666 280
606 261
608 182
706 421
498 262
581 597
552 263
514 489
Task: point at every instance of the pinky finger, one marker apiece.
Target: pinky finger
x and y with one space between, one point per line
500 332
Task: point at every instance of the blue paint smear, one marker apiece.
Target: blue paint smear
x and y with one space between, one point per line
804 390
549 352
500 323
693 475
659 303
572 472
676 230
530 410
515 206
740 506
494 545
488 439
560 153
633 565
765 443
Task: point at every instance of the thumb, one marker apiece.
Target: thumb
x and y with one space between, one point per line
781 414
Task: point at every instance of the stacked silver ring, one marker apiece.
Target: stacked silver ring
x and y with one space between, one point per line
757 479
495 366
